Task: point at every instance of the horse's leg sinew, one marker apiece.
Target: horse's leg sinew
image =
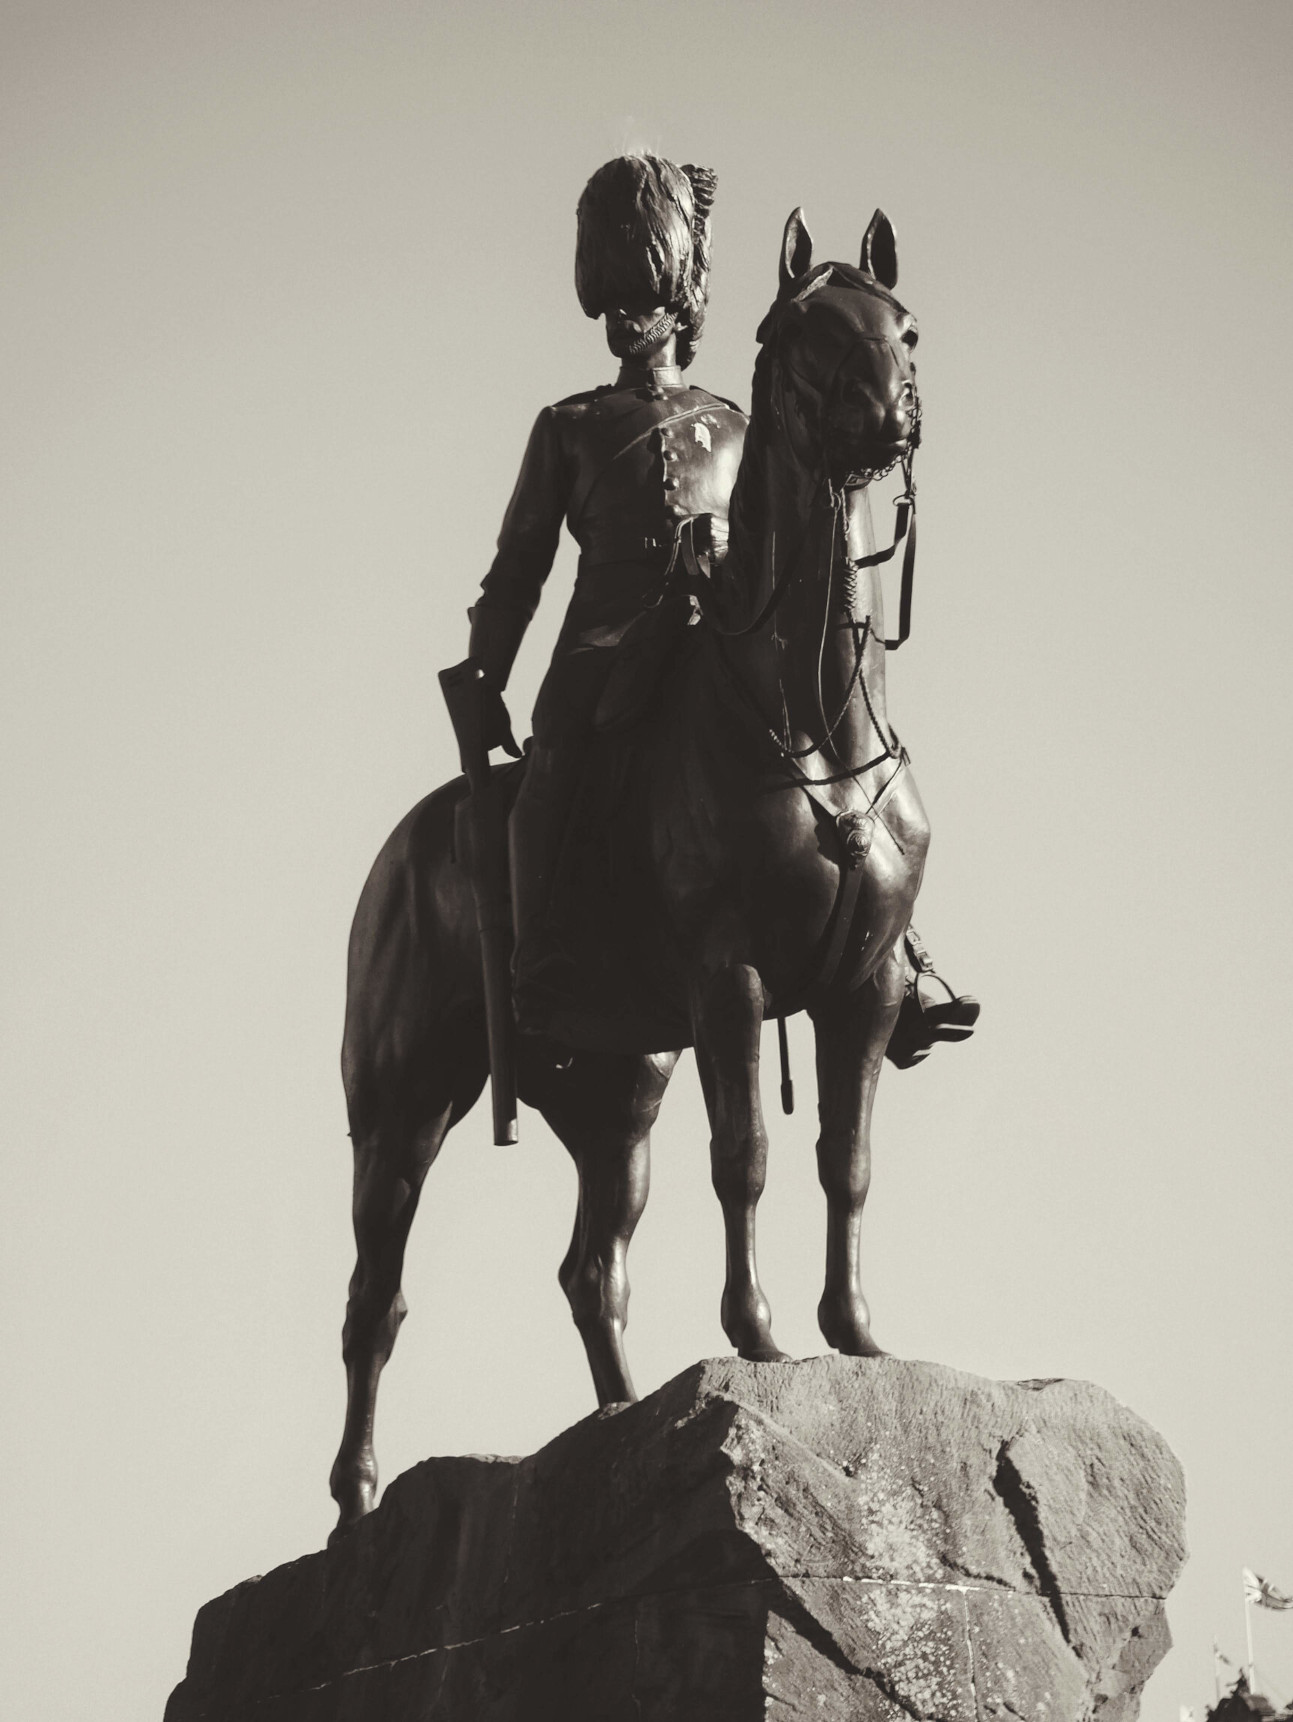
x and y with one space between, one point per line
852 1034
395 1145
728 1019
602 1106
388 1182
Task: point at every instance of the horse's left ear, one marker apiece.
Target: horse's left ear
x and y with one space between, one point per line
880 250
796 249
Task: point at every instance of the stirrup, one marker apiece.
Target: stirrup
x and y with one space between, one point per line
921 1022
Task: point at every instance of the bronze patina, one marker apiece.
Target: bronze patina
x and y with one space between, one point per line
727 825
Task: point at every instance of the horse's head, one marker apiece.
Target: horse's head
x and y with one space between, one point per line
836 371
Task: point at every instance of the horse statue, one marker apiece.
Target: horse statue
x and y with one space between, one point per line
752 846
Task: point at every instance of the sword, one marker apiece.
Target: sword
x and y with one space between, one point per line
480 830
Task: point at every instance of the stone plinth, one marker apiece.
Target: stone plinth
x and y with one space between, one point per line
836 1538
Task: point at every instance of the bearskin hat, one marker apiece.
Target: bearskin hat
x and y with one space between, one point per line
643 238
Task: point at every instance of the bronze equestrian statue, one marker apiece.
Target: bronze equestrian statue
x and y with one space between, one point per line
722 822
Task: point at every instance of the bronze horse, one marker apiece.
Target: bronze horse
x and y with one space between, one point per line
777 842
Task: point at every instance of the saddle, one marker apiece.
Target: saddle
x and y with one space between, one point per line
649 646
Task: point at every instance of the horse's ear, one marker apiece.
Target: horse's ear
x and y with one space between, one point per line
880 250
796 249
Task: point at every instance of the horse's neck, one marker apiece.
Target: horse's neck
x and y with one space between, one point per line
771 515
791 548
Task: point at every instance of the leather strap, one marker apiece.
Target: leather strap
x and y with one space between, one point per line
780 587
904 527
618 543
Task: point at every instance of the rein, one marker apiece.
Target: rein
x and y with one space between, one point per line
780 586
904 533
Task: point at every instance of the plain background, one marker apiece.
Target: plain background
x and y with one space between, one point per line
285 284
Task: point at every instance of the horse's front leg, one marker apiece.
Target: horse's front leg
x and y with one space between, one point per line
852 1033
727 1017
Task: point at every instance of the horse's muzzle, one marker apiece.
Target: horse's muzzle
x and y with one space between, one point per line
869 435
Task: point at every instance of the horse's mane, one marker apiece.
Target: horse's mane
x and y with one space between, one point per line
747 510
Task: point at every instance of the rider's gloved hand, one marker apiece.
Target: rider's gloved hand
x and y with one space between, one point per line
495 635
498 724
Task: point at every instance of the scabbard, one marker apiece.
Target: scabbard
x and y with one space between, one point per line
481 840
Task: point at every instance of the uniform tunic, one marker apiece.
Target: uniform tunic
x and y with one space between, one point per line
623 466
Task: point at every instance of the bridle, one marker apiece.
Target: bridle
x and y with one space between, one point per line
904 532
696 563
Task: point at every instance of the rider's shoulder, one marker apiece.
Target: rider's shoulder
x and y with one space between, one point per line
719 401
576 406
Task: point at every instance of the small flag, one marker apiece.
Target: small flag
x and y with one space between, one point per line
1220 1656
1263 1592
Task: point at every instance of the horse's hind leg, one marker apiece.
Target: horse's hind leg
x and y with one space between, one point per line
728 1016
602 1106
852 1033
390 1165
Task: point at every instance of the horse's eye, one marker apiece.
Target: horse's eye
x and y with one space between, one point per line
910 337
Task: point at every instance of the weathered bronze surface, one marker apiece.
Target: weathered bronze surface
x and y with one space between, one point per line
722 821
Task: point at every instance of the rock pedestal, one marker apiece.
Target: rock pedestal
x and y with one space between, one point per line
839 1538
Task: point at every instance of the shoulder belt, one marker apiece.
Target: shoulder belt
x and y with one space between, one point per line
632 429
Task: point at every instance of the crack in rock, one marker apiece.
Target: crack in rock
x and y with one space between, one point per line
1020 1502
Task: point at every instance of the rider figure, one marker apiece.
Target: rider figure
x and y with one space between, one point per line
626 466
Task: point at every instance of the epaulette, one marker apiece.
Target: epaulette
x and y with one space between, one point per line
588 395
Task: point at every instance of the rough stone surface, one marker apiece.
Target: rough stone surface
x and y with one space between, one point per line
835 1538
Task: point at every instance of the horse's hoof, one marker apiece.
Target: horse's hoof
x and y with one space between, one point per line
856 1345
849 1335
763 1354
353 1513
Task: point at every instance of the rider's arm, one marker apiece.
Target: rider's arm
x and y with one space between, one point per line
527 545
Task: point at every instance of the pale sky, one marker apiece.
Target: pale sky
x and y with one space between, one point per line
285 283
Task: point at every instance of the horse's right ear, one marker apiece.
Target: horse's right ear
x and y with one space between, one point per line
880 251
796 249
